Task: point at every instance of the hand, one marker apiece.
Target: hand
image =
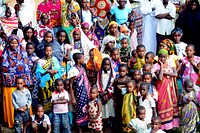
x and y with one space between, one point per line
93 29
91 120
192 62
160 62
25 108
73 101
21 109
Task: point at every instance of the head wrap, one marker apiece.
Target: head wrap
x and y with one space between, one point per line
11 38
123 28
85 24
170 45
177 30
163 51
76 30
106 40
112 22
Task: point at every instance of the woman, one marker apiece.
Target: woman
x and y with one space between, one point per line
14 63
108 43
43 26
9 21
189 22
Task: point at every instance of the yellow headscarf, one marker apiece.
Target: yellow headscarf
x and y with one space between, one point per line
113 22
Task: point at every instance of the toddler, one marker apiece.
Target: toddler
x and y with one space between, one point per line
155 123
125 50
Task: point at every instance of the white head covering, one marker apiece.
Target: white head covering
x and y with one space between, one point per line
106 40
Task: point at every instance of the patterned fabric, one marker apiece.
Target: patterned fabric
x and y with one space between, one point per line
92 111
139 64
123 52
170 44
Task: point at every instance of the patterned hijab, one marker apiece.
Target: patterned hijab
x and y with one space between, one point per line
170 45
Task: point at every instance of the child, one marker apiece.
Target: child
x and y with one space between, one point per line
129 105
147 101
156 123
138 79
149 68
147 77
39 121
141 56
124 51
113 31
132 62
95 112
120 90
105 79
180 46
60 98
133 35
115 60
124 31
139 124
149 58
189 112
21 100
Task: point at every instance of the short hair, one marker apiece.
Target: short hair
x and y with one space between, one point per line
20 77
94 88
136 70
140 46
48 45
39 106
131 81
156 118
150 53
146 65
123 65
189 82
77 56
140 108
144 84
113 50
30 44
146 73
59 80
190 45
124 38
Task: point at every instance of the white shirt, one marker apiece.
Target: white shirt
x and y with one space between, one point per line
180 49
165 26
159 131
46 119
87 17
139 125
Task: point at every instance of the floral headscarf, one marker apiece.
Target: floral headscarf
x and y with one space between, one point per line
170 45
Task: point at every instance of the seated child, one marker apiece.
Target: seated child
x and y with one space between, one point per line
155 123
125 50
139 124
21 100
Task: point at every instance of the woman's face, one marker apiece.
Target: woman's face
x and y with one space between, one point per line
14 44
44 19
76 35
29 33
48 38
193 6
110 44
84 4
113 29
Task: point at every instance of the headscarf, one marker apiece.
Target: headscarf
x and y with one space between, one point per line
163 51
177 30
170 45
106 40
112 22
123 28
85 24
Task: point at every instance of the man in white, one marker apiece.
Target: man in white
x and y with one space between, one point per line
165 12
147 8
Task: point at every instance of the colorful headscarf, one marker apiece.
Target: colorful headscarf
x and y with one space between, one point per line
112 23
163 51
177 30
85 24
123 28
170 45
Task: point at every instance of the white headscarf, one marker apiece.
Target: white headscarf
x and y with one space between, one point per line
106 40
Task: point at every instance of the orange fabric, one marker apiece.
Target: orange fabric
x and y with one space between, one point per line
97 59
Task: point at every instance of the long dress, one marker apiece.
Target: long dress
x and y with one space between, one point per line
149 24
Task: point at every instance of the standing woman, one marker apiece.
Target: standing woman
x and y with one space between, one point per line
15 63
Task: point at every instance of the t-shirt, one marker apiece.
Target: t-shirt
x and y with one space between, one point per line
121 16
60 108
139 125
45 118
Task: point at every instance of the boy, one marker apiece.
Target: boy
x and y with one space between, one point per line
21 100
141 56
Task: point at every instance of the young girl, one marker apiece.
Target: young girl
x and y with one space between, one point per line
129 105
189 113
113 31
147 101
180 46
115 60
108 43
133 35
165 71
48 69
156 123
120 90
95 111
105 79
79 89
139 124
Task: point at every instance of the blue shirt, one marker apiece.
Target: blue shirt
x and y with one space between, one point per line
121 16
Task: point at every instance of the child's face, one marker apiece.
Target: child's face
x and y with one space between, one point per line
73 16
29 33
156 124
134 53
14 44
110 44
115 55
48 52
126 33
93 93
141 52
106 65
144 90
76 35
67 85
8 13
122 71
40 112
162 58
163 46
149 58
81 60
91 55
137 75
62 37
85 29
146 69
147 78
44 19
30 49
48 38
124 43
20 84
113 29
189 51
131 25
141 114
189 87
177 37
130 87
59 86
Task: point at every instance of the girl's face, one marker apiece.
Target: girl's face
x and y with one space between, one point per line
14 44
8 13
93 93
44 19
48 38
48 52
163 46
59 86
85 29
29 33
130 87
81 60
76 35
106 65
190 51
110 44
144 90
113 29
177 37
91 55
141 114
62 37
162 58
193 6
149 58
115 55
137 75
131 25
123 71
124 43
147 79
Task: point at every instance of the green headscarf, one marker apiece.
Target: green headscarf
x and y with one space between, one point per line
163 51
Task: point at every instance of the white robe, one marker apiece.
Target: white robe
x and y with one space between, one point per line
2 8
149 24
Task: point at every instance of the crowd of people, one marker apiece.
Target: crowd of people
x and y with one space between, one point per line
100 66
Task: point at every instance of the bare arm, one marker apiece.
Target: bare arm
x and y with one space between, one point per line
154 111
169 17
60 101
171 74
160 16
72 91
100 109
160 75
49 129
